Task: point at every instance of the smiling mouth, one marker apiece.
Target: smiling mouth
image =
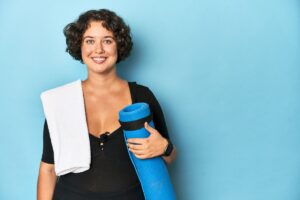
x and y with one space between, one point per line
99 60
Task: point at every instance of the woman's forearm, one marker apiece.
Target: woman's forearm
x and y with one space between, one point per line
46 182
169 159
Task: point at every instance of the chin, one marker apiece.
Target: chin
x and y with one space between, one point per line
102 69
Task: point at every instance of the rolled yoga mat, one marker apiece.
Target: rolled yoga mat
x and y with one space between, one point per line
152 173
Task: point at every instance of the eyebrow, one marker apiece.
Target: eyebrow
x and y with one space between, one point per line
94 37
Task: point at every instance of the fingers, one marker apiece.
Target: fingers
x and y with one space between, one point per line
136 147
144 148
149 128
137 141
143 140
141 154
139 151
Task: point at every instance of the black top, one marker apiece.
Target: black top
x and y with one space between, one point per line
111 170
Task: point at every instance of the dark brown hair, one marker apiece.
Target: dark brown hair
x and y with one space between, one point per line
110 20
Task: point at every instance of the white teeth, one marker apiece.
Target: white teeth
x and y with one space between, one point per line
99 59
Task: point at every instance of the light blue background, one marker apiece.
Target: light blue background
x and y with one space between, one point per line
225 72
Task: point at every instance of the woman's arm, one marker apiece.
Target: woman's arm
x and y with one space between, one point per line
169 159
150 147
46 181
156 143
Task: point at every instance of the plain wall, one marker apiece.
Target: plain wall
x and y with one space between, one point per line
225 72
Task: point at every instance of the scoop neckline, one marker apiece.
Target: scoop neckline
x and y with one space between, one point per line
132 93
110 134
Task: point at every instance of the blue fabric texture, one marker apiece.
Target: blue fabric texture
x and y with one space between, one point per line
153 173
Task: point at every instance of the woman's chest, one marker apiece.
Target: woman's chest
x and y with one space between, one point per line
102 113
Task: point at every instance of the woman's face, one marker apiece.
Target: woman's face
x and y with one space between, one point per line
99 48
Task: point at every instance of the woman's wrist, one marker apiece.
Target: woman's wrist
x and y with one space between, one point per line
168 148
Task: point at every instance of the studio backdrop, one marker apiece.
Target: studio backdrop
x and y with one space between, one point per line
227 75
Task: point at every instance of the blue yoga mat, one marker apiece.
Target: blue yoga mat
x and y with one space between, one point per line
153 173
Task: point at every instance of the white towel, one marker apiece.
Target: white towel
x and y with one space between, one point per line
65 113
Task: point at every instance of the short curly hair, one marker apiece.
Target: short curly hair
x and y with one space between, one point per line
110 20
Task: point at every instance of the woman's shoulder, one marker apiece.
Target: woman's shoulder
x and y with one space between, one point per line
141 92
140 88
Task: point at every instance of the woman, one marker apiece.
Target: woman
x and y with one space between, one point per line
100 39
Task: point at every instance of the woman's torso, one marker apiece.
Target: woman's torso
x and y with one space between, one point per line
111 174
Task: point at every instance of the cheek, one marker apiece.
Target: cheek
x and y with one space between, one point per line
112 50
86 50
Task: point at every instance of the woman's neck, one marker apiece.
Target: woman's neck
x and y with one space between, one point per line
102 83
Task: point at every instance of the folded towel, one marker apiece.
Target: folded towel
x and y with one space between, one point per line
65 114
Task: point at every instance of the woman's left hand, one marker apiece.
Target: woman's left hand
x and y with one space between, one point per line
149 147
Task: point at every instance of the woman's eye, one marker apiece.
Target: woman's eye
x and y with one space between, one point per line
89 41
107 41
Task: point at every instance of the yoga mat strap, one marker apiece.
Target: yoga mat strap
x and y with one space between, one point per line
137 124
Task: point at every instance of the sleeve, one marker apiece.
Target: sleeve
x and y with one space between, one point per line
158 116
48 155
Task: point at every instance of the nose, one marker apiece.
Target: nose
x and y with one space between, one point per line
99 47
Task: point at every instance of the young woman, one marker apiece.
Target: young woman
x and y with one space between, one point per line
100 39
